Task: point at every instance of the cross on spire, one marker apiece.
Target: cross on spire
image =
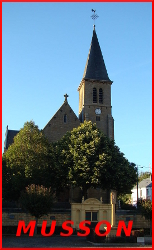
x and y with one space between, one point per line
66 95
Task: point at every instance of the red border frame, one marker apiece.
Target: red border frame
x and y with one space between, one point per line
1 125
75 1
1 115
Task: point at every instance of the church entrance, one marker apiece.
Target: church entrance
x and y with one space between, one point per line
92 216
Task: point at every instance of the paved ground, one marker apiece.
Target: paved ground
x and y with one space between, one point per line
56 242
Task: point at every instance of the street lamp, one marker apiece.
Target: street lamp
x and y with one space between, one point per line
137 183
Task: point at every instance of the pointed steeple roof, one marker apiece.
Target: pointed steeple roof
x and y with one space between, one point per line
95 68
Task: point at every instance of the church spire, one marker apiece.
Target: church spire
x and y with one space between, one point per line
95 68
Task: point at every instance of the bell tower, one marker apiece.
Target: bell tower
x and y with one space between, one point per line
95 91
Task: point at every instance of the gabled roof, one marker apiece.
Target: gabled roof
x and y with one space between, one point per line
56 128
9 136
60 110
144 183
95 68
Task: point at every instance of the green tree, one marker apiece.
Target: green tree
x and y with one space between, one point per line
143 175
116 169
37 200
84 169
95 161
63 162
28 160
13 181
7 179
145 207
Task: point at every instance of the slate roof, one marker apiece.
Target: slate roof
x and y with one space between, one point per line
95 68
9 137
144 183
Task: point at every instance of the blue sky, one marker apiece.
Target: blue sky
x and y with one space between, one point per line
44 52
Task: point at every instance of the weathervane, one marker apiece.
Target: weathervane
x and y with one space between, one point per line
94 16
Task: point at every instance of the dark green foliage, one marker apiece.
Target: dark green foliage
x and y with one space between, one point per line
84 157
84 151
125 202
93 160
13 181
26 161
37 200
63 162
145 207
117 173
30 159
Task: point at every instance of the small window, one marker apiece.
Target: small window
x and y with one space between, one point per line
88 216
91 216
94 95
65 118
94 216
98 118
140 193
100 95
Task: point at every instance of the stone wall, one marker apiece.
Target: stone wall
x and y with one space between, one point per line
12 219
126 216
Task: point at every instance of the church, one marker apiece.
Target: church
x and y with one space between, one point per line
94 101
94 105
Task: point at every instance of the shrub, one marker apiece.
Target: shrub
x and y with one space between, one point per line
138 233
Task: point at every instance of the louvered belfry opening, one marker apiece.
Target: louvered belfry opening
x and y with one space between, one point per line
100 95
94 95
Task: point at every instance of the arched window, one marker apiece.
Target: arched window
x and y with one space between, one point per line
65 118
94 95
100 95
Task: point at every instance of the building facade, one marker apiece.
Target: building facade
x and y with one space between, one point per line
144 190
